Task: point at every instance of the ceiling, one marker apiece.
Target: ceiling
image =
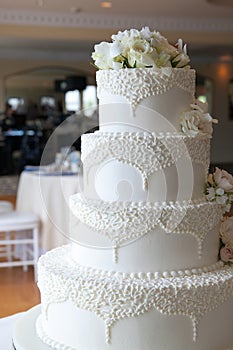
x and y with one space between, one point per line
151 8
67 30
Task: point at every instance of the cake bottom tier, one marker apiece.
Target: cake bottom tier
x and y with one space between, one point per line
88 309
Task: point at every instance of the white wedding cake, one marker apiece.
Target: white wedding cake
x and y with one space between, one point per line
143 270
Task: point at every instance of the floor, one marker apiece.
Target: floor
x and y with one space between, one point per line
18 291
8 185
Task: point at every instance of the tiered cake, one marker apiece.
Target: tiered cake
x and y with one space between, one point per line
143 268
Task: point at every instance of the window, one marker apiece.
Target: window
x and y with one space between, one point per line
72 101
16 103
89 100
47 101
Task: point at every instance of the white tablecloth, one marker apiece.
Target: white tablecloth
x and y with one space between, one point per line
48 197
6 330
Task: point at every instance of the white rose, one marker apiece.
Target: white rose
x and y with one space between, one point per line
144 60
189 123
226 231
163 60
120 36
116 49
134 48
140 60
126 36
223 179
145 33
102 55
161 44
133 33
140 54
206 121
139 45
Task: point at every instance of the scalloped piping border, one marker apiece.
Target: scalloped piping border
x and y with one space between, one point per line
79 201
104 139
49 265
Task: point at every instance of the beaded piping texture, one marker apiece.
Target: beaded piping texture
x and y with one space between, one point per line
147 152
124 222
119 296
139 83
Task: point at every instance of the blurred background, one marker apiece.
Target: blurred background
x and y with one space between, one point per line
46 75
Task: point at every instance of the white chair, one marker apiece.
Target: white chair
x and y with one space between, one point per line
5 206
5 251
19 229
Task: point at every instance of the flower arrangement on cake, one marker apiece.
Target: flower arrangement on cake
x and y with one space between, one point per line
197 120
219 188
140 49
226 240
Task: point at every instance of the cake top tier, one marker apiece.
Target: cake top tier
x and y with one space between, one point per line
140 49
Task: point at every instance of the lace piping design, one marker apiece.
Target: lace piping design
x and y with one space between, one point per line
123 222
138 84
147 152
115 296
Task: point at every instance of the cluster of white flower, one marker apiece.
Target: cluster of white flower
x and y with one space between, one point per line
226 240
219 188
197 120
140 49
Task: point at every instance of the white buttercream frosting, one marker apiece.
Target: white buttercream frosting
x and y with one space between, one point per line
147 152
137 84
140 109
115 296
123 222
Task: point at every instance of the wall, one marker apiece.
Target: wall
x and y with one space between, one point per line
9 68
222 143
220 73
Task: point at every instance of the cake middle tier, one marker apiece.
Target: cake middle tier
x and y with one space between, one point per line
144 236
139 166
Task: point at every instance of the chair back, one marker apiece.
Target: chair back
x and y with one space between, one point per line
5 206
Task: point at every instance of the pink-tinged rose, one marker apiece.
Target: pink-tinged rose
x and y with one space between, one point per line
223 179
226 231
226 254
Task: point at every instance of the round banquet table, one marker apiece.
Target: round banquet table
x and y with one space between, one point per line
18 331
47 195
6 329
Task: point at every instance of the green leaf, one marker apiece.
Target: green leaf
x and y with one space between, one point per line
93 64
